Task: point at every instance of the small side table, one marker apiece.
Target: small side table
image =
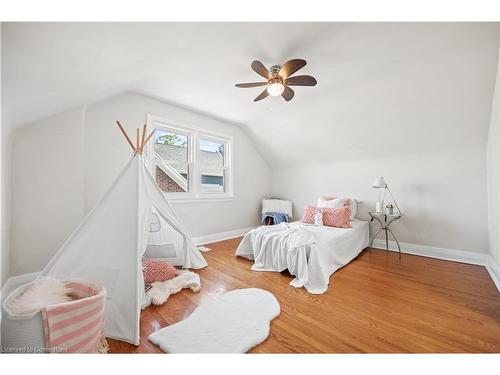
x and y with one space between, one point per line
388 219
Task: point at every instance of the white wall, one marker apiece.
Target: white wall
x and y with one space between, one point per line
5 178
6 206
493 172
63 165
442 194
6 159
47 188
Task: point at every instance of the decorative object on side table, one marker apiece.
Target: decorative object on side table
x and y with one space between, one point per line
389 209
386 217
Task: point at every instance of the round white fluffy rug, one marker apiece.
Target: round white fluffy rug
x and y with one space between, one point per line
233 323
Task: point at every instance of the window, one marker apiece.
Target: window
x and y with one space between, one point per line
189 163
212 166
171 161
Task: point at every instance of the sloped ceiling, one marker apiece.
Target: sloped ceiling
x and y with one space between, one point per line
382 88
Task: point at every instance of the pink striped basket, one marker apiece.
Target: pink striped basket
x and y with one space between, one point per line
75 326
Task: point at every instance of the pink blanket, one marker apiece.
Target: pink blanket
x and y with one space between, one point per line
77 326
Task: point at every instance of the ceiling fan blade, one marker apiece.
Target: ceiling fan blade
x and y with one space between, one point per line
291 67
253 84
288 94
259 68
301 81
263 94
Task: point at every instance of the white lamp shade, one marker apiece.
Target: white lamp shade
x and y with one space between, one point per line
379 183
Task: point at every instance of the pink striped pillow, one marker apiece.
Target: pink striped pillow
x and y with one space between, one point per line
309 212
336 217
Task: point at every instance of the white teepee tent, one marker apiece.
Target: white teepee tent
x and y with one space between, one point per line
109 243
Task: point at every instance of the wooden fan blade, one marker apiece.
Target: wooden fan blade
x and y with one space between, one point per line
263 94
253 84
301 81
288 94
259 68
291 67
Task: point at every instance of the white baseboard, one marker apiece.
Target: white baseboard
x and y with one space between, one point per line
436 252
494 270
215 237
461 256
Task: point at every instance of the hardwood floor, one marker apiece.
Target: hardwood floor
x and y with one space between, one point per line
375 304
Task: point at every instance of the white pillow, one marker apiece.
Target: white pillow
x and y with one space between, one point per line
354 208
331 203
338 203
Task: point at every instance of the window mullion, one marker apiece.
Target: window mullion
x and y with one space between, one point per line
195 164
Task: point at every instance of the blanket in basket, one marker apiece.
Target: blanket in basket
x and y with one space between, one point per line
77 326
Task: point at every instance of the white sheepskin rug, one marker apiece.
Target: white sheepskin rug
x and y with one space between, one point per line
161 290
34 296
233 323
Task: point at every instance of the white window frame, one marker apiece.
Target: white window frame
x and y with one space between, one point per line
194 134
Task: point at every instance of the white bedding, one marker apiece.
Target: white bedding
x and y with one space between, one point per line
310 253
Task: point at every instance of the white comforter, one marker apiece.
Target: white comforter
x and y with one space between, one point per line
310 253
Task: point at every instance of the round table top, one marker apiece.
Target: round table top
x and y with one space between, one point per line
374 213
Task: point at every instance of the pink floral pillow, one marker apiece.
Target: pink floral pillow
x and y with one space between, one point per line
309 212
337 217
158 270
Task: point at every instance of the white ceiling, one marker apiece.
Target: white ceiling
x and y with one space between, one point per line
382 88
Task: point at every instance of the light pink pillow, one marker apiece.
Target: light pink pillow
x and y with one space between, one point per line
158 270
309 212
339 202
337 217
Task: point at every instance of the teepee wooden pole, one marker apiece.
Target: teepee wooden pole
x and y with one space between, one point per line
126 136
149 137
143 138
137 136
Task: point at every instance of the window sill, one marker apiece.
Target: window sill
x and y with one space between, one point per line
201 199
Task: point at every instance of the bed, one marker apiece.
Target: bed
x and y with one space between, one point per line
310 253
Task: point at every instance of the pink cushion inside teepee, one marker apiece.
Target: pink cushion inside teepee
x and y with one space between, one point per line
158 270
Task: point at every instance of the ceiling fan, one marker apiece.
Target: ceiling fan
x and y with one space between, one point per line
279 80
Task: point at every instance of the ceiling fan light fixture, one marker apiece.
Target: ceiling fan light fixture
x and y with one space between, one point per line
278 79
275 88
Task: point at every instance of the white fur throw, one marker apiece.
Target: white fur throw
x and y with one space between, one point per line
161 290
40 293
